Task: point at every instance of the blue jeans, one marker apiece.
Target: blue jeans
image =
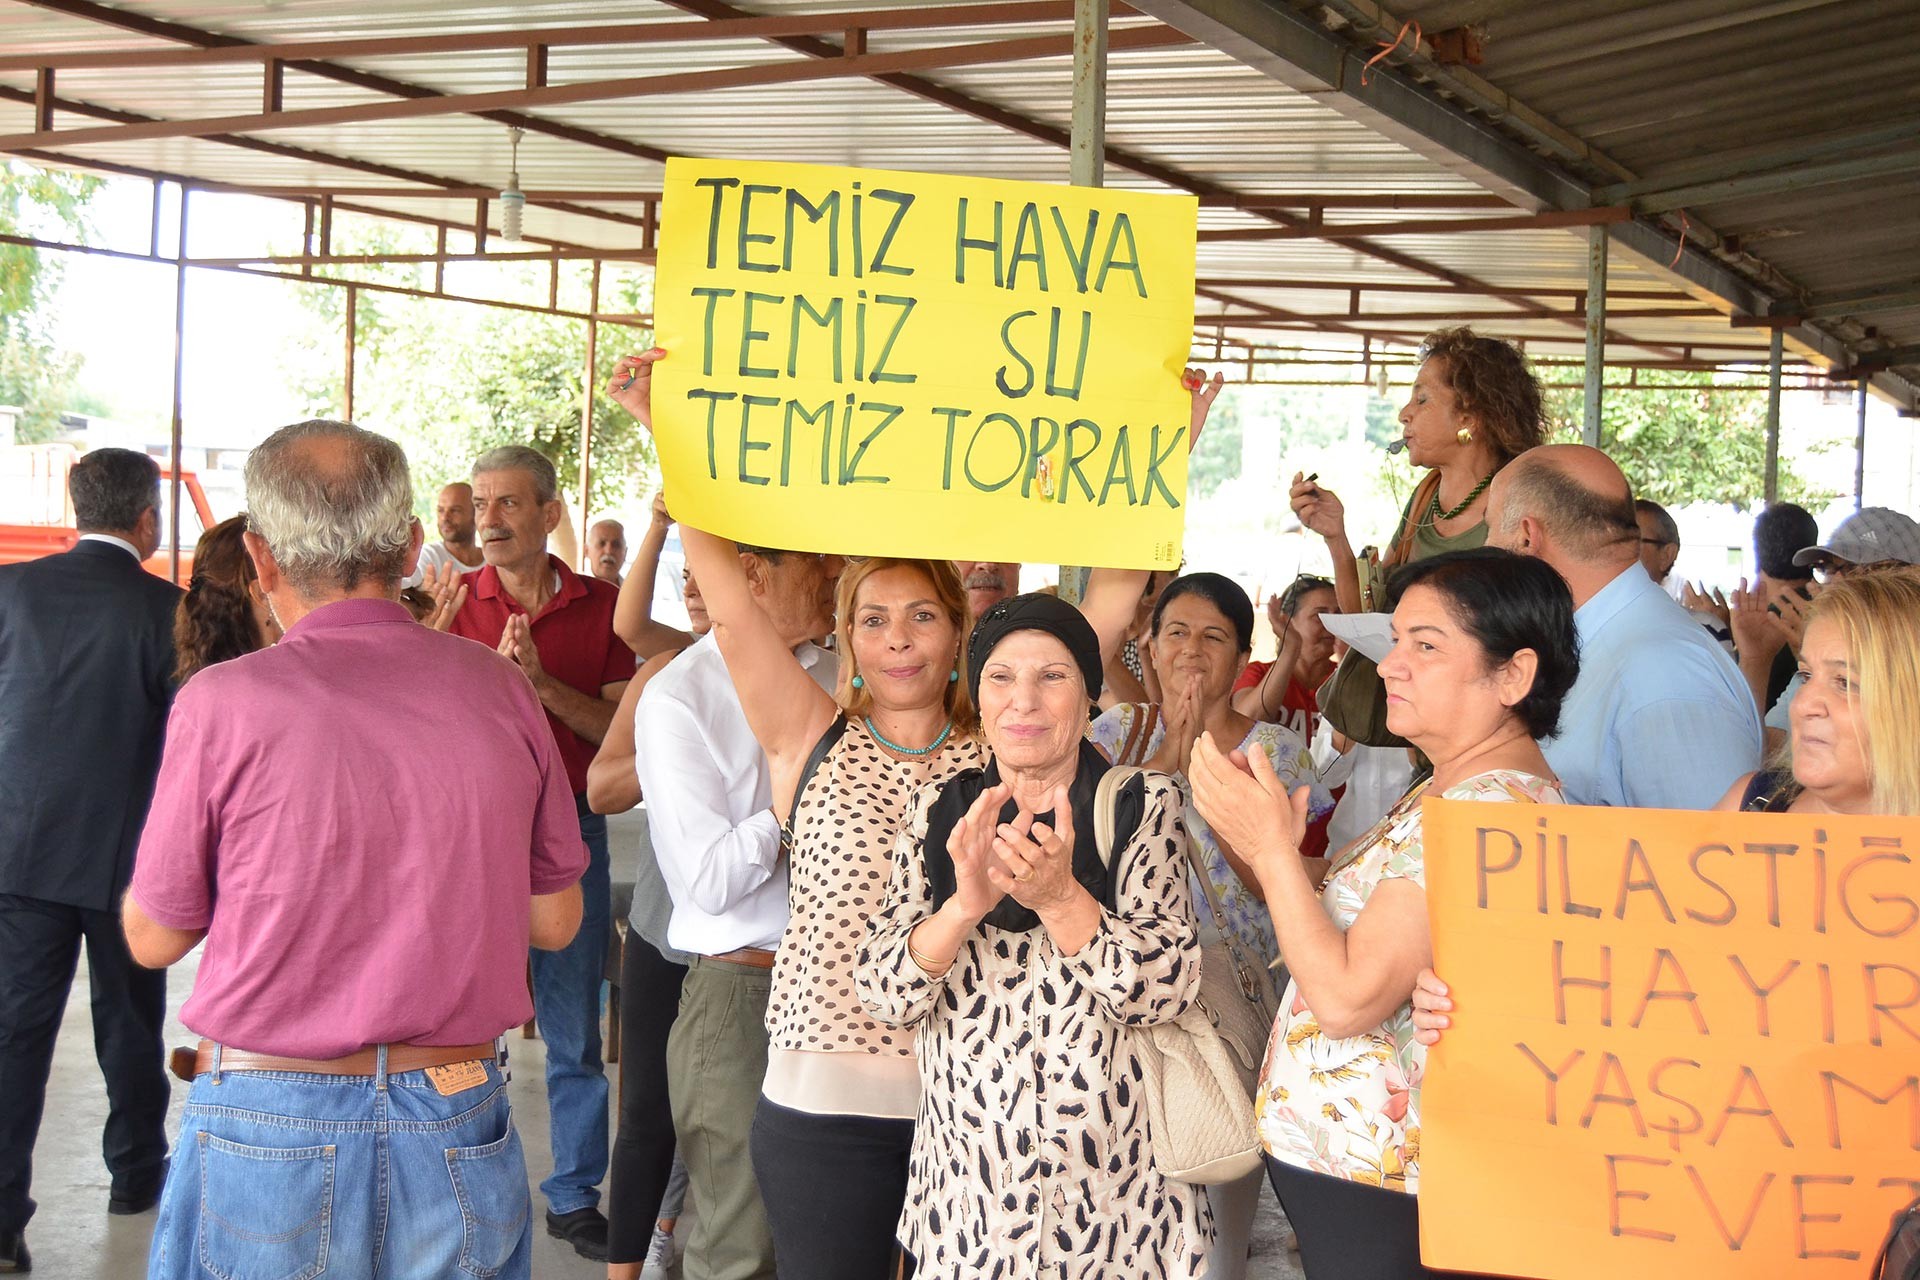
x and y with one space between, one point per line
566 1002
291 1176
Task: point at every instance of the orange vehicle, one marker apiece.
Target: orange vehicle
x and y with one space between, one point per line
36 515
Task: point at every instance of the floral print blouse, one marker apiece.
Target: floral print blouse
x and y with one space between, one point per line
1246 915
1351 1107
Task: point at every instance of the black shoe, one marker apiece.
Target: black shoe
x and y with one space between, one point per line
584 1229
143 1196
13 1252
126 1204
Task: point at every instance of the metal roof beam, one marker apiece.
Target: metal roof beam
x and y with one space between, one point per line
1552 219
912 17
1888 356
1724 168
127 20
1799 177
1457 316
1836 306
627 195
1856 302
263 147
1488 291
1375 200
805 71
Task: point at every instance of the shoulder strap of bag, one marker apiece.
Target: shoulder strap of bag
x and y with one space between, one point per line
1146 716
1104 797
821 750
1410 520
1103 823
1206 881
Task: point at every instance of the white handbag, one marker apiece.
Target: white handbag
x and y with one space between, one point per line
1200 1067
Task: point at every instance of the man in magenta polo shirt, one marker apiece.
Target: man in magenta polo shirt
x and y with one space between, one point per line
366 911
558 627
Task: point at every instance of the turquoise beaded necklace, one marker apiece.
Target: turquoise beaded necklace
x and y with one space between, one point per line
927 750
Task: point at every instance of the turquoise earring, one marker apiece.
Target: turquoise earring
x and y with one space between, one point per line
859 682
953 676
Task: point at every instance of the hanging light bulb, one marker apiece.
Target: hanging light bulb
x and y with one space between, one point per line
1381 379
513 201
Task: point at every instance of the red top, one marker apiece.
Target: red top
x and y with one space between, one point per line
574 634
1300 712
358 816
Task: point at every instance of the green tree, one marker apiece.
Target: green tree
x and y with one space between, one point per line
1216 459
451 380
1685 441
34 373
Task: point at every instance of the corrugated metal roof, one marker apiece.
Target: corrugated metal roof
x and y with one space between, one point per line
1625 76
1659 87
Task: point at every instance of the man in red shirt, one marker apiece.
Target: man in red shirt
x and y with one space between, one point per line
558 627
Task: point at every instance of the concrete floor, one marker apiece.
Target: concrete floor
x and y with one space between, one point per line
72 1237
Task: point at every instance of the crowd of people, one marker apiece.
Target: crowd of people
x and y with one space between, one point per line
927 859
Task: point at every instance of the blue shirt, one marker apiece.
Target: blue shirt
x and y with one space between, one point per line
1781 716
1660 718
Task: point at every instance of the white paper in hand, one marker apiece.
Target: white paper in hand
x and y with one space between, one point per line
1370 633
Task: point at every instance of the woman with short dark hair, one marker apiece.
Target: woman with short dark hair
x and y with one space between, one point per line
1484 653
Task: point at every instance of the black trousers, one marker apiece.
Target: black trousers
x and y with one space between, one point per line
1349 1230
833 1187
39 950
643 1143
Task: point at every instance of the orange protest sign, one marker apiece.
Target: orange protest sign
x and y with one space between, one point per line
1684 1044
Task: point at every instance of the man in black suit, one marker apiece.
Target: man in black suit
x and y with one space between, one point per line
86 663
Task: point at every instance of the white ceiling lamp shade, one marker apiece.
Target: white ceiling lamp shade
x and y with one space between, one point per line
513 201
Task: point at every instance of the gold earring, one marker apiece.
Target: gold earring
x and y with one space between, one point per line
1464 435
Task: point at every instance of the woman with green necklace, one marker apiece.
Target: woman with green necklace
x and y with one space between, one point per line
1475 407
834 1125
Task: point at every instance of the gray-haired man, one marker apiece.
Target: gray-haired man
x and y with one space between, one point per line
558 626
361 956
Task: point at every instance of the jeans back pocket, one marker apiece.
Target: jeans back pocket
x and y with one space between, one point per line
266 1213
496 1208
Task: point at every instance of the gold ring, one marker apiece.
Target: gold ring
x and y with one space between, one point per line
1024 876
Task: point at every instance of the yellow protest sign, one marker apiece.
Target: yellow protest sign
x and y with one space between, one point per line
1684 1044
917 365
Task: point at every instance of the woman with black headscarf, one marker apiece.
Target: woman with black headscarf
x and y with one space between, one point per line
1020 955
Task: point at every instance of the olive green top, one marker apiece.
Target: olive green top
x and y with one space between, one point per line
1427 542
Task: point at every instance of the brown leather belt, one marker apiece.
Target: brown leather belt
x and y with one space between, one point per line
188 1063
752 957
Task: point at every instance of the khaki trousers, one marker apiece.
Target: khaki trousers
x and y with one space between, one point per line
716 1063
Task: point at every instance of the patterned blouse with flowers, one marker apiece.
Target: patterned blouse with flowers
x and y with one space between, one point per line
1132 731
1351 1107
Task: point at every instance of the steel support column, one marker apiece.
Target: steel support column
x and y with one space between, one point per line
1088 150
174 431
586 407
1087 155
1596 333
1776 352
1860 449
352 326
